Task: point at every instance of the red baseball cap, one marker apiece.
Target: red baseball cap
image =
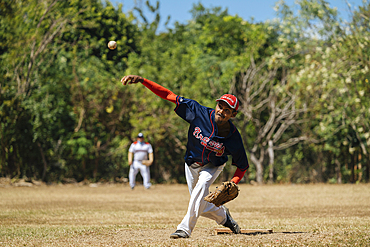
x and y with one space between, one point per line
231 100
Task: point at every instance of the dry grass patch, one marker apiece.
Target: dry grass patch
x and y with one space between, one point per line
113 215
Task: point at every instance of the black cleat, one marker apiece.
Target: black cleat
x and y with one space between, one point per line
230 222
179 234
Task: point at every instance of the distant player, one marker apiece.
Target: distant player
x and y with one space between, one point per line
138 153
211 138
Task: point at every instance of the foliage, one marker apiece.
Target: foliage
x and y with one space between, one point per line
302 80
333 85
61 85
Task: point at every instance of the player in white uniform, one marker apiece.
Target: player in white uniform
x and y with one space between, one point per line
138 152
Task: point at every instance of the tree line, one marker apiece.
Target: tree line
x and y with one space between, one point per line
301 78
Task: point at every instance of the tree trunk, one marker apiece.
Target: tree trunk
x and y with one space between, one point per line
259 166
84 168
270 151
368 169
246 176
338 171
95 172
43 160
352 178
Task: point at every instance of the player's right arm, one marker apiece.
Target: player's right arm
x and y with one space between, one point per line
159 90
130 156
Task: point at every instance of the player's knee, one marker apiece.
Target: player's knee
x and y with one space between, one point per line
203 185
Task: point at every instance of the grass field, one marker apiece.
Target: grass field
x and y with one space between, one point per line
113 215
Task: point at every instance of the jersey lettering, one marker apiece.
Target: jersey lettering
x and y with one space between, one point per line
211 145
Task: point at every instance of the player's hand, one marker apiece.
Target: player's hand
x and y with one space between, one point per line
131 79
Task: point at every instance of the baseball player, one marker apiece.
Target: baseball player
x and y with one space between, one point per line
137 154
211 138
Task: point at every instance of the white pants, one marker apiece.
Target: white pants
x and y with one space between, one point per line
199 179
135 167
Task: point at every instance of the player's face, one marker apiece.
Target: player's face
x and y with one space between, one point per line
223 112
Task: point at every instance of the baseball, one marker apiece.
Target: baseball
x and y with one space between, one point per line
112 45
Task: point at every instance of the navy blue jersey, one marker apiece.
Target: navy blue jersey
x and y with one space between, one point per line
204 145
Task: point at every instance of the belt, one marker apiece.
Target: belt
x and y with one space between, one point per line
196 165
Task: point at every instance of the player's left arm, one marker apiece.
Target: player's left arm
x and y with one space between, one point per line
151 158
238 175
240 160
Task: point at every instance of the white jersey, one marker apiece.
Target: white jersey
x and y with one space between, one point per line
140 150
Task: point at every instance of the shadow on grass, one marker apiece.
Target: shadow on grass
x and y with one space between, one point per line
261 233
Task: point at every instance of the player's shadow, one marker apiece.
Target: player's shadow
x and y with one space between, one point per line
260 233
290 232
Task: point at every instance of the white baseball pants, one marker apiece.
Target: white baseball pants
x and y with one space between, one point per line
135 167
199 179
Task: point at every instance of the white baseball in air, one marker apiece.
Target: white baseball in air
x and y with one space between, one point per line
112 45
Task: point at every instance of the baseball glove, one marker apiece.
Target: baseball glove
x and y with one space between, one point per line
146 162
226 192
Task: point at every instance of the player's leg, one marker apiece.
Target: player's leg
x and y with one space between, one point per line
192 175
220 214
145 173
199 181
132 174
230 222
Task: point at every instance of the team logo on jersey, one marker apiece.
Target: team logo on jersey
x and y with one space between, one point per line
214 146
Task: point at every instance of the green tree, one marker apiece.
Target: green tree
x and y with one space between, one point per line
61 79
332 80
27 49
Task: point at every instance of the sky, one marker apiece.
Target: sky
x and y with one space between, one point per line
259 10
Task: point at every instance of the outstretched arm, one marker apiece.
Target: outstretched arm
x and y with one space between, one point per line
159 90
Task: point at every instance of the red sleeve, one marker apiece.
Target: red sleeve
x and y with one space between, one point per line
238 175
159 90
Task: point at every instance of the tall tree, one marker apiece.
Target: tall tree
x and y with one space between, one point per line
333 83
60 91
